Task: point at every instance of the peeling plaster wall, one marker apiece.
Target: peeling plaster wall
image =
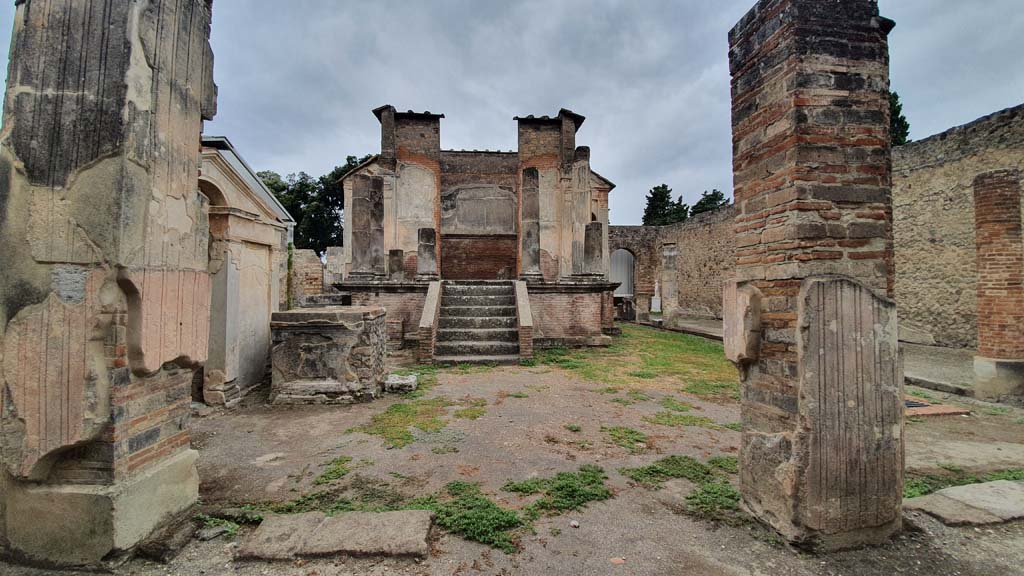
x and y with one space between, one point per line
103 243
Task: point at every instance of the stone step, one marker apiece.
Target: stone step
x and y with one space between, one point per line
478 334
476 348
478 289
477 322
478 311
475 300
452 360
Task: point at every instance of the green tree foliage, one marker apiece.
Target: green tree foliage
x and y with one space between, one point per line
709 201
661 209
316 204
899 127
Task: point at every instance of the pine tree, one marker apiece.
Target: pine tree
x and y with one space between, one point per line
659 203
899 127
709 201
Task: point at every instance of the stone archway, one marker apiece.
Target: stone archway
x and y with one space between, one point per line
623 271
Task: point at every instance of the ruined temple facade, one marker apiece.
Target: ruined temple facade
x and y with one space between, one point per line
539 216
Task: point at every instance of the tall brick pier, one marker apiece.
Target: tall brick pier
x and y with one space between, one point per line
809 318
999 365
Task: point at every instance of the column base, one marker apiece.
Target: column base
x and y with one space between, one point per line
80 525
531 277
427 277
999 380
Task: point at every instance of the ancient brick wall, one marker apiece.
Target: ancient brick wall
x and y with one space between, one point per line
566 319
307 275
705 243
997 212
404 307
478 257
933 213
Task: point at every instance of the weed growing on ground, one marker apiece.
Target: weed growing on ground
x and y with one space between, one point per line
675 419
714 390
608 390
518 395
922 394
656 474
637 396
212 522
393 424
715 500
917 485
528 362
997 411
623 401
674 405
470 514
334 470
736 426
446 449
564 491
628 438
574 428
644 374
475 409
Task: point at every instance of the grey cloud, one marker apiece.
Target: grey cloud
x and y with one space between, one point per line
298 79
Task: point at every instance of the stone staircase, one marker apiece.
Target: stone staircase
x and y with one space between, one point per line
477 323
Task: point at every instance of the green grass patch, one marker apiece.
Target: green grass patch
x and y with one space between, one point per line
922 395
638 396
574 428
477 408
445 449
334 470
212 522
518 395
737 426
1020 420
675 419
623 401
644 374
916 485
566 490
608 390
628 438
714 390
394 423
674 405
997 411
714 498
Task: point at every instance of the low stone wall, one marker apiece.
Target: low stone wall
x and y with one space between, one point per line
696 272
328 355
307 276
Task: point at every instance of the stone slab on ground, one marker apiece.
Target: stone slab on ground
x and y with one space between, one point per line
396 384
284 537
279 537
402 533
975 457
986 503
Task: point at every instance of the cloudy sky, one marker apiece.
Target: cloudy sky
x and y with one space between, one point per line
298 78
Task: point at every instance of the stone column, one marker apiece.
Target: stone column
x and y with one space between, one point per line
999 365
593 250
579 209
104 294
367 221
809 320
426 254
530 249
669 282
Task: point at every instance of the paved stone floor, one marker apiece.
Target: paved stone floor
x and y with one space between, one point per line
528 422
943 369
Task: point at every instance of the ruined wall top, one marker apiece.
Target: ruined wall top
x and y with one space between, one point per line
1003 129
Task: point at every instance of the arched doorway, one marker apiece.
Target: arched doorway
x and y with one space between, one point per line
623 271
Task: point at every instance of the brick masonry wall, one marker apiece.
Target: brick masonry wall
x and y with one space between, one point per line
933 212
997 212
404 307
478 258
570 319
706 244
307 275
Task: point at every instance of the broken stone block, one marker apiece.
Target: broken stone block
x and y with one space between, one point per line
279 537
396 384
742 324
328 355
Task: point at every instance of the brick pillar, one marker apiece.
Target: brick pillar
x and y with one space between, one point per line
426 254
105 292
999 365
808 319
367 221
